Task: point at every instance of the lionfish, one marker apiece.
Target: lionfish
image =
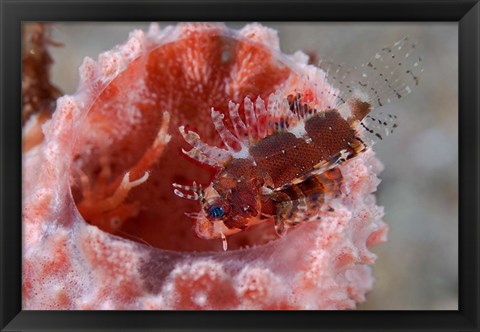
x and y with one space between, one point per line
281 161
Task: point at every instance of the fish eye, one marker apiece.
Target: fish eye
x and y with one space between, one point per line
216 211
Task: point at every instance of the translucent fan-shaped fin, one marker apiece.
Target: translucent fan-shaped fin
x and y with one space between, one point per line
378 126
388 76
392 73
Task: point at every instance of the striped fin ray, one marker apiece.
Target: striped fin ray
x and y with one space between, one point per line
202 152
342 82
194 192
261 120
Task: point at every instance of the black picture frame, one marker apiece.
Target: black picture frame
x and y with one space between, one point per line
14 12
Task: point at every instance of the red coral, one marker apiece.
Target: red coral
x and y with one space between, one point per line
110 126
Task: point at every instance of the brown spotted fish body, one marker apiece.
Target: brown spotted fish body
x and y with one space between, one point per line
281 161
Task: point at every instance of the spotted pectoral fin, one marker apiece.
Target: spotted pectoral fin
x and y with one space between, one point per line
376 127
392 73
388 76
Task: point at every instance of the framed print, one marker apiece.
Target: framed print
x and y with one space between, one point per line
197 164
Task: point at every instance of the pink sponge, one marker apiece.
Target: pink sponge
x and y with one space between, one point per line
102 227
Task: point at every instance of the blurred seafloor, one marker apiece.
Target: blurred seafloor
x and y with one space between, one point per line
418 267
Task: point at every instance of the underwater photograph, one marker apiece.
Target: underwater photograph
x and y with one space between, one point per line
239 166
